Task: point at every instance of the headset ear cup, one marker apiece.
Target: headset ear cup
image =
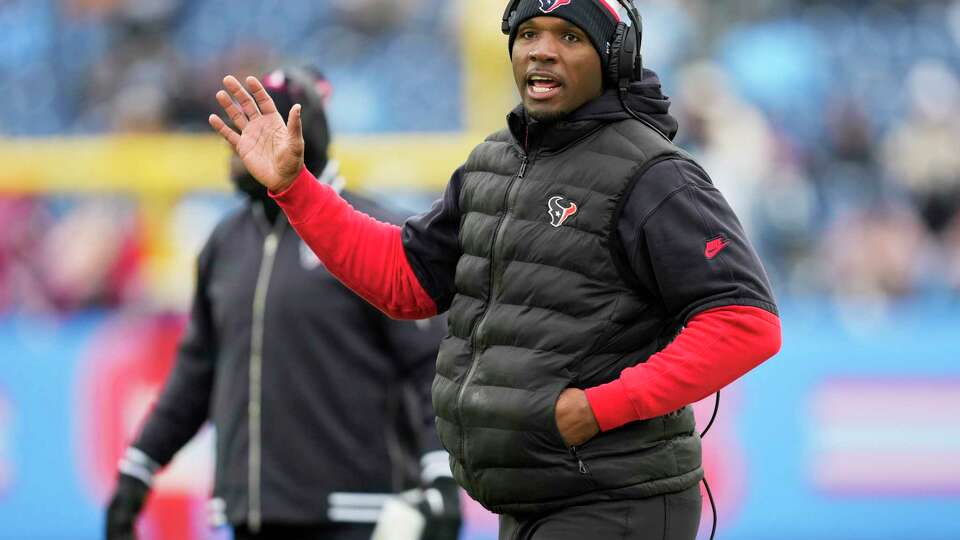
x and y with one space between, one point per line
615 57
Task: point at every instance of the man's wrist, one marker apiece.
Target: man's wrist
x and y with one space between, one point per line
281 189
611 405
304 198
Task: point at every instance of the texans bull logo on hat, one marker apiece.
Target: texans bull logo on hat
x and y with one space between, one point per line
547 6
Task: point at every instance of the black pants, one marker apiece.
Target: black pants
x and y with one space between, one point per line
675 516
332 531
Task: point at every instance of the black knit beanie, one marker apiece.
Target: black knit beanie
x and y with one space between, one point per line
307 86
597 18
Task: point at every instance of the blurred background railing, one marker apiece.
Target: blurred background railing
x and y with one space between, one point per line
833 127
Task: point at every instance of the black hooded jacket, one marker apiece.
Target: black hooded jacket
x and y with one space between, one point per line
315 395
566 253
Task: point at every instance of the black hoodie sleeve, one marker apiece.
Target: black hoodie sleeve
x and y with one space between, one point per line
184 403
431 242
685 246
415 345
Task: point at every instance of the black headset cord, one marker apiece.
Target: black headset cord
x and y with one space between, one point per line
713 506
622 93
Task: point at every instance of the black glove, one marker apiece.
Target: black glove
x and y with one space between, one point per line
441 507
125 506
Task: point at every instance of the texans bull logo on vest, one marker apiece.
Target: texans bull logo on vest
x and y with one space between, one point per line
560 209
547 6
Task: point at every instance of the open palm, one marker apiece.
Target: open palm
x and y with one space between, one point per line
271 150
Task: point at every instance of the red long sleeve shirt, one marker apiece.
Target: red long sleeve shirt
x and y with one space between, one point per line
716 347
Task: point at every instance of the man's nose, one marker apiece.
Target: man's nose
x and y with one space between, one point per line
545 50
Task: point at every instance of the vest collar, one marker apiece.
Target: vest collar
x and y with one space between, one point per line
537 137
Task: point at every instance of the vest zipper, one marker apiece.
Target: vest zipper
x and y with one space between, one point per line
486 309
270 243
583 466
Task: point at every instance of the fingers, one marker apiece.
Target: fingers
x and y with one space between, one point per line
294 128
246 102
260 94
224 130
233 111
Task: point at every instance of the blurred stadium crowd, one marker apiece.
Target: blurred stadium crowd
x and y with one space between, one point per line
832 127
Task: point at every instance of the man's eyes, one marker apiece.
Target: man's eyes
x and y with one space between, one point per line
568 36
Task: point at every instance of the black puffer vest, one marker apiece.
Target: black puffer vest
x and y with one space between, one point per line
542 305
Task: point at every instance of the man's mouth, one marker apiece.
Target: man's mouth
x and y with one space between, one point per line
542 86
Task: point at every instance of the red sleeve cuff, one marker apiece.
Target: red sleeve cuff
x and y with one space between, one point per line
716 348
302 199
611 406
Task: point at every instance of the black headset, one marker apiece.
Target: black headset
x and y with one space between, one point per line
624 61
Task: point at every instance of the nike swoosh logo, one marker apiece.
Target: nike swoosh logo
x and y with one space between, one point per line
715 246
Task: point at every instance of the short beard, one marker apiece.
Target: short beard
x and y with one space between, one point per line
547 117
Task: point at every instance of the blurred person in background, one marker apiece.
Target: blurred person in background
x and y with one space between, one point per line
23 222
320 403
132 85
922 151
92 256
597 282
76 253
853 244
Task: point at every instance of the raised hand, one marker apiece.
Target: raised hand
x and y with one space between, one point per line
271 150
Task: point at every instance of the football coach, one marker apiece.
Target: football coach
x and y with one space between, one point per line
596 282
